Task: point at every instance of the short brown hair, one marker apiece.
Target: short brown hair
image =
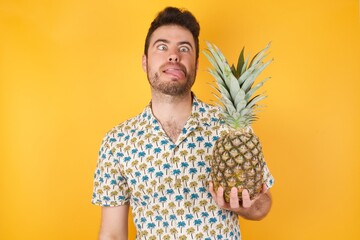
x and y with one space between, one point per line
175 16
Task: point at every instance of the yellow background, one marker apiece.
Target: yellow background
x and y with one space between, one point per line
71 70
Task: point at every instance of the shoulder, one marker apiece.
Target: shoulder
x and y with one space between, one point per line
213 113
125 128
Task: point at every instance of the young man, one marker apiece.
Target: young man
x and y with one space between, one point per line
158 161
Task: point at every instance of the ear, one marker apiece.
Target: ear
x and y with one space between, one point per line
144 63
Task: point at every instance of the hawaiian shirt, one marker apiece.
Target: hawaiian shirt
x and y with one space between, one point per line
165 183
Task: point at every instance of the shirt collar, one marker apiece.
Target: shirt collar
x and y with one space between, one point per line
153 125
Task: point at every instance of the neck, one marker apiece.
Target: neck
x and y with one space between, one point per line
172 112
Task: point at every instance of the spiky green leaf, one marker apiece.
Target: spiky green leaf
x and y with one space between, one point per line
254 100
240 63
256 87
235 85
256 72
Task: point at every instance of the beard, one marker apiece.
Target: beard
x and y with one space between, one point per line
174 87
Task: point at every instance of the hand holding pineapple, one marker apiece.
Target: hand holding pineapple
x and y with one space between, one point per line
237 162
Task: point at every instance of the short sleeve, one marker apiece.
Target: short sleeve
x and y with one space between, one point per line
110 187
268 177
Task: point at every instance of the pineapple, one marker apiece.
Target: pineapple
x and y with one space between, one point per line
237 156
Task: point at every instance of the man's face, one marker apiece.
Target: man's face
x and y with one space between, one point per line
171 62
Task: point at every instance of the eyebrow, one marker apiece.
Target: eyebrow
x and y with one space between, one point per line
167 41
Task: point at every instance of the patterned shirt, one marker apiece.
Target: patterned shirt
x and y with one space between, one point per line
165 183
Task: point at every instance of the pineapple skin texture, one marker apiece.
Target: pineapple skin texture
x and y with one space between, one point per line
238 162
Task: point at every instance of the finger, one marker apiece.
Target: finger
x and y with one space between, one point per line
246 199
264 189
211 190
220 197
234 198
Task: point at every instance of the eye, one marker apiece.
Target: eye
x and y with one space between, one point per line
184 49
162 47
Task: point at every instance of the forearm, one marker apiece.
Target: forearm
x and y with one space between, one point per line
260 208
108 236
114 223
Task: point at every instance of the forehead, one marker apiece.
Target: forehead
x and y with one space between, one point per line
173 34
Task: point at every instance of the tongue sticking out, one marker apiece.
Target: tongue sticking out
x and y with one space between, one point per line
177 73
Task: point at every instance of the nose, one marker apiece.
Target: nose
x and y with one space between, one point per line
173 58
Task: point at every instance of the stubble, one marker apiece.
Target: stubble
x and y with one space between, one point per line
173 87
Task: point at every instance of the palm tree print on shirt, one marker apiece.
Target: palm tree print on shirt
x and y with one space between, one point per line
165 182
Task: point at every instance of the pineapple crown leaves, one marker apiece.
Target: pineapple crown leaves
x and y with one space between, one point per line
235 84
